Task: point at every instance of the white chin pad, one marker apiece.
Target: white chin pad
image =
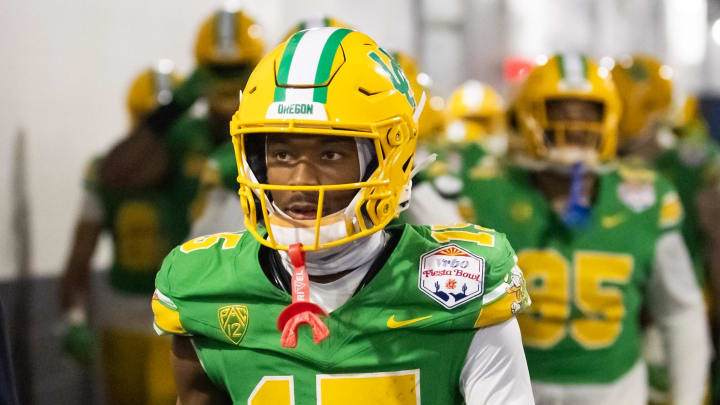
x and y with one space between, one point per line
290 232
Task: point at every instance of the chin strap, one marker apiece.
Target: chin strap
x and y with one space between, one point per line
301 310
576 213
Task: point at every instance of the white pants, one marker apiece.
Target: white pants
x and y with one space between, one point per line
630 389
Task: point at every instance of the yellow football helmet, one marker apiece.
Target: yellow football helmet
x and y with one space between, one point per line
476 113
332 82
568 78
152 88
432 119
645 87
318 22
228 37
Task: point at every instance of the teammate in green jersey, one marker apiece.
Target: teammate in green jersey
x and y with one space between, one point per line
658 131
596 244
144 226
395 314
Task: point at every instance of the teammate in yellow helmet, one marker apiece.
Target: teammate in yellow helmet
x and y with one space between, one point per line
596 244
325 139
143 227
227 47
645 87
476 113
661 129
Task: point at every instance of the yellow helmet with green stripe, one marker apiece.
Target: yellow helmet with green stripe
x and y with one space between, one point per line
568 78
228 37
152 88
333 82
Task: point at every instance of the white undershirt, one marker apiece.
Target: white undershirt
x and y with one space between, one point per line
330 296
428 207
677 306
222 213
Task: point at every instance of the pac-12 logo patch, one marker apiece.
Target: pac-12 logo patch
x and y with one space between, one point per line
234 322
451 275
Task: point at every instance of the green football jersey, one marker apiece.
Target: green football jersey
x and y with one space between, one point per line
146 224
587 284
694 163
402 336
453 165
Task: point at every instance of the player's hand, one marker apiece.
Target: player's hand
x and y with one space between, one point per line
77 341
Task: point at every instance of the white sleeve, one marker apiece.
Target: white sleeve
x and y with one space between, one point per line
222 213
495 370
91 209
428 207
677 306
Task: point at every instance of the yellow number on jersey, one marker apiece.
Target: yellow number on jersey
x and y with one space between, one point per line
275 390
137 237
445 233
598 296
598 278
394 388
546 275
230 240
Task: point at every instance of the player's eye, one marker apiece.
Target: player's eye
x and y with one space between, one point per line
282 156
329 155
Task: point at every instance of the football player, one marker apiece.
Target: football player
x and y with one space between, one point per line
144 227
680 148
322 301
596 244
227 47
689 158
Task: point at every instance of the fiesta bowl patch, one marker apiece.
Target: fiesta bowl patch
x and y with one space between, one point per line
451 275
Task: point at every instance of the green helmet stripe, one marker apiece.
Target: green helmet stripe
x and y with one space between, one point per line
284 68
322 74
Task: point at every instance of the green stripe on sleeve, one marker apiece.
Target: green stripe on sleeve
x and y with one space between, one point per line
322 74
284 69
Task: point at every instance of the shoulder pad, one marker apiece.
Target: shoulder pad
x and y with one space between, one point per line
503 285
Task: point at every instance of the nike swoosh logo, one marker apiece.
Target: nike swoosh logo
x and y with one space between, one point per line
612 221
392 323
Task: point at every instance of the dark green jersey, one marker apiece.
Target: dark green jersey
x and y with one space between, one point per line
587 284
404 335
693 164
221 169
146 224
454 165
